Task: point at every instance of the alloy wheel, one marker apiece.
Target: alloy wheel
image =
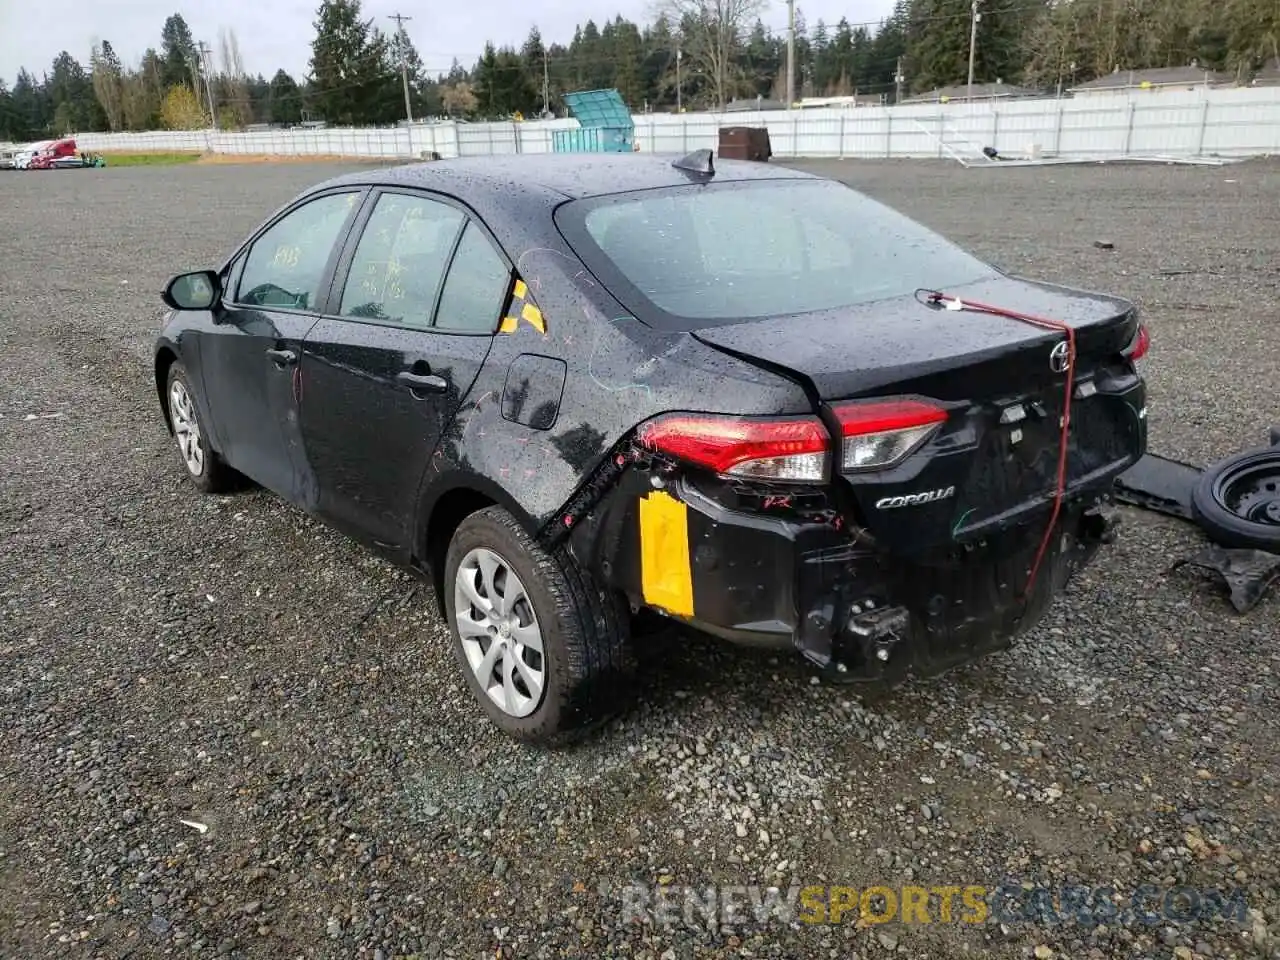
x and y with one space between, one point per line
499 632
186 428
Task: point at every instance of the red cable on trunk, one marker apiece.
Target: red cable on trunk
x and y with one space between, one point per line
1060 486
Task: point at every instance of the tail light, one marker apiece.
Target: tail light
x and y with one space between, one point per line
1140 345
793 449
881 433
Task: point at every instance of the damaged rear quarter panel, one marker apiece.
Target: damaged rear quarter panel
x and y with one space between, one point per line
619 373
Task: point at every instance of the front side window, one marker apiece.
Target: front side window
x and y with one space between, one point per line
721 253
400 260
286 264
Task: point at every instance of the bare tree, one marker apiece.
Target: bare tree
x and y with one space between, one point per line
458 98
712 31
108 83
141 91
235 88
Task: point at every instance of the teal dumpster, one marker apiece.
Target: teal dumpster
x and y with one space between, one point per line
605 124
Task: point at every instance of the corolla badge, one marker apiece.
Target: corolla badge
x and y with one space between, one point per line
915 499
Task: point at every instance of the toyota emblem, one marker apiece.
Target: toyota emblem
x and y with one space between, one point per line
1060 357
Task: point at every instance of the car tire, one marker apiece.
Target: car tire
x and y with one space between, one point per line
204 467
1236 501
582 630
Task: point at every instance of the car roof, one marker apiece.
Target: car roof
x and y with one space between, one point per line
558 176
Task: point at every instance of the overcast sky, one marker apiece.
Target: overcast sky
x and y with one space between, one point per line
278 33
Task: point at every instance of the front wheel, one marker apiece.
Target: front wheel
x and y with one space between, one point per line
204 466
544 648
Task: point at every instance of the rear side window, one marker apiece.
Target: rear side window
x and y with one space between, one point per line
704 255
476 285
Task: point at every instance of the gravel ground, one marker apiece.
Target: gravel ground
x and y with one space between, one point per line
227 662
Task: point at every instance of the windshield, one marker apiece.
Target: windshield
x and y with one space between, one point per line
721 253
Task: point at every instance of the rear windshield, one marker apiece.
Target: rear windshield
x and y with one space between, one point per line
710 254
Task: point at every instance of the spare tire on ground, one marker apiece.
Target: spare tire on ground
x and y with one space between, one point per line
1237 500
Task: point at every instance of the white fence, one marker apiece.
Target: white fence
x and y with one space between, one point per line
1234 122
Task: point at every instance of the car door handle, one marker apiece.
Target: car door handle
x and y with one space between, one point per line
423 382
282 358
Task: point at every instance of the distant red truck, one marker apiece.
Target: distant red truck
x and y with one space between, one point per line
57 154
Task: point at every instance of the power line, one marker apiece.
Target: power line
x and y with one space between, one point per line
583 59
1017 7
889 65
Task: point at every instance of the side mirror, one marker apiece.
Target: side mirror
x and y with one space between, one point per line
192 291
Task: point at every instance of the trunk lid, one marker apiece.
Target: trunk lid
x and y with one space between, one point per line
904 346
978 472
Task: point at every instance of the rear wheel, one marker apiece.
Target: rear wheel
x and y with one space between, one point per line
542 646
204 466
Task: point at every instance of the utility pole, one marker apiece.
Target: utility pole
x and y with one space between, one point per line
193 67
973 43
791 53
898 79
546 85
679 52
1073 76
404 64
205 55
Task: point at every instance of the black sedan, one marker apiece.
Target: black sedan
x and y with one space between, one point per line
569 389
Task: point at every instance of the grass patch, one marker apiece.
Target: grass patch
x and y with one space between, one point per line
148 159
296 158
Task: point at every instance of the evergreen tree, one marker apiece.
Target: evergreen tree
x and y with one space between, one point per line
659 68
626 52
178 50
764 56
31 107
535 58
502 85
284 99
938 43
804 58
824 69
887 49
8 117
728 52
71 93
348 64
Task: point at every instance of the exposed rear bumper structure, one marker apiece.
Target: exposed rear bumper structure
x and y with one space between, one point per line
793 576
869 619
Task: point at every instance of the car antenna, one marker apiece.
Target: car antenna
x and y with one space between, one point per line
697 162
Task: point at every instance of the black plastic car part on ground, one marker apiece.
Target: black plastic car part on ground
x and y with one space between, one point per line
1236 500
1246 572
1160 484
572 386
